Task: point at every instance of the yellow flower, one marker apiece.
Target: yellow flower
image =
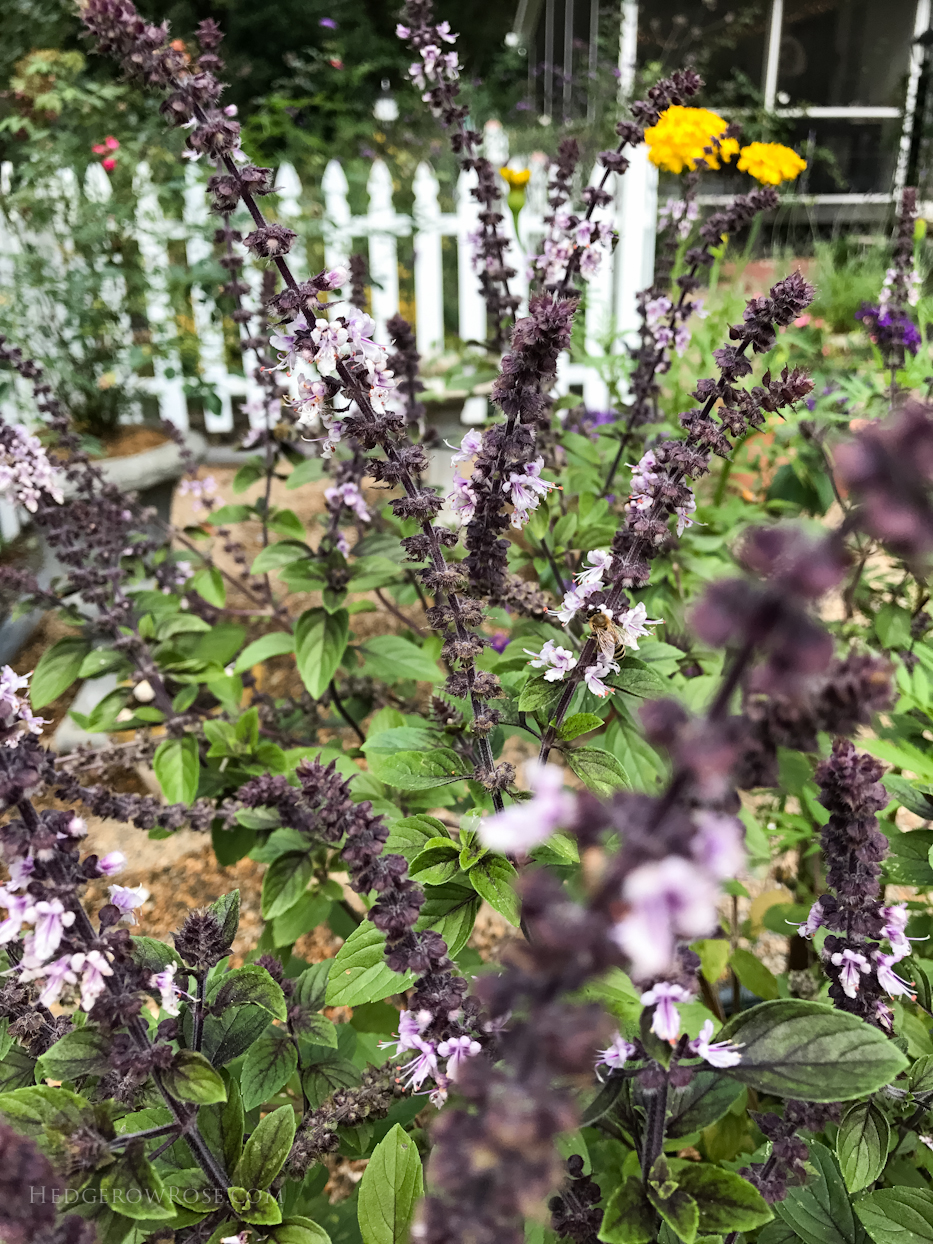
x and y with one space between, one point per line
678 139
516 178
771 163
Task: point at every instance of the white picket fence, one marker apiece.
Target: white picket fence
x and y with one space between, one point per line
610 299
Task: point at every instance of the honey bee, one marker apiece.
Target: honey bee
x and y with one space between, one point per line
607 635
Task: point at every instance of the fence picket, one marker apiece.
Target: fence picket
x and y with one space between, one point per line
385 226
338 240
429 269
610 295
151 236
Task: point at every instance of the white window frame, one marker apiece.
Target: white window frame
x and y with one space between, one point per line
628 37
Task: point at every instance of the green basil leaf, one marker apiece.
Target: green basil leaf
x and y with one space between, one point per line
275 555
81 1052
449 910
274 645
320 642
299 1230
177 766
287 523
227 910
639 679
898 1215
577 724
57 669
706 1099
676 1207
820 1211
310 988
599 770
726 1201
308 913
268 1066
248 986
418 770
862 1145
392 658
809 1051
389 1190
326 1076
266 1150
307 472
753 974
493 878
539 696
285 882
629 1218
209 584
257 1207
132 1188
359 972
192 1078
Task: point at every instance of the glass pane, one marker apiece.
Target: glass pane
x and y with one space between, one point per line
723 39
845 52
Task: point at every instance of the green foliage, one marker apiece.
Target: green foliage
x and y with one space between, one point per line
391 1185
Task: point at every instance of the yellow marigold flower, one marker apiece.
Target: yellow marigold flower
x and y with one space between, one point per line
771 163
516 178
681 134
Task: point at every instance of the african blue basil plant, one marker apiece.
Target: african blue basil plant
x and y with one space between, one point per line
595 1082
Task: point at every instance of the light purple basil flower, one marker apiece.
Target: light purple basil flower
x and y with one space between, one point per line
112 864
328 23
557 661
884 1016
57 975
350 496
241 1238
681 339
718 844
526 491
457 1050
50 922
600 561
895 919
93 968
593 676
462 500
813 921
665 1022
411 1024
127 900
633 625
852 967
667 900
616 1054
419 1069
337 277
574 600
888 979
20 872
19 908
522 826
401 32
722 1054
164 981
470 446
656 310
683 513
